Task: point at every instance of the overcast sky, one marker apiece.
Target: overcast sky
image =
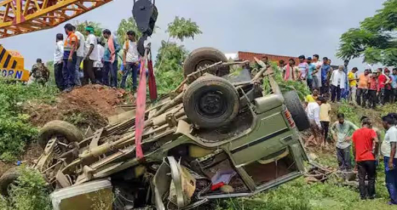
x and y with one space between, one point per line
283 27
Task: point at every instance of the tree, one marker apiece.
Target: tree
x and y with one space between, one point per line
179 29
80 26
124 26
375 39
170 56
171 73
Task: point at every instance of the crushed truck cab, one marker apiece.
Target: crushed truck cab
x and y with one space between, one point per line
12 65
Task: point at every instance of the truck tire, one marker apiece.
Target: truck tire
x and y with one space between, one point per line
297 111
7 179
211 102
204 56
59 128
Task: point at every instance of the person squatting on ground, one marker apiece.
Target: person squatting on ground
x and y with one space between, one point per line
338 82
130 60
91 56
340 131
69 58
110 59
365 148
58 62
389 146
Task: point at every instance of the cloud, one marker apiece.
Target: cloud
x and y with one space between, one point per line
286 27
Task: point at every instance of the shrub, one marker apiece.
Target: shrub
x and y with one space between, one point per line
30 192
15 129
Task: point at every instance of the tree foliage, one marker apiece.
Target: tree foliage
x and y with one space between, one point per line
170 75
171 55
125 26
80 26
182 28
375 39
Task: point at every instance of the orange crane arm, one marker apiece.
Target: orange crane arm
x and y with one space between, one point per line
24 16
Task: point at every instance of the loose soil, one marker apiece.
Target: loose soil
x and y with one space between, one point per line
90 105
33 152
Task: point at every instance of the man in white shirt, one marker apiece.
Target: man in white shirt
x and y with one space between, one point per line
58 62
313 113
317 73
389 147
338 82
90 57
98 64
80 55
130 60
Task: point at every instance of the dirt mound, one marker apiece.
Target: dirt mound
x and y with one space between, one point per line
85 106
97 97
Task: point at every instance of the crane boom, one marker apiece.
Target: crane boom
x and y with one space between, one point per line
24 16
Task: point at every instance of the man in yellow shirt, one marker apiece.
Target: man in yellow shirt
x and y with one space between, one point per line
352 76
325 111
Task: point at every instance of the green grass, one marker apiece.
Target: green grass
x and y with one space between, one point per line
298 195
29 193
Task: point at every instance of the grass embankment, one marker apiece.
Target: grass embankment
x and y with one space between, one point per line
16 133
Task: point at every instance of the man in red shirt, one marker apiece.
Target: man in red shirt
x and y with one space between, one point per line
384 85
373 89
363 149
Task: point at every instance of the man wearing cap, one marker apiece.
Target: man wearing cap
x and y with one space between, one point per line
90 57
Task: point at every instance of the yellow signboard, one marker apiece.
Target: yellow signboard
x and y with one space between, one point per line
12 65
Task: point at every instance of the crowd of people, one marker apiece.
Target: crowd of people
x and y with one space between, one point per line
83 59
367 89
362 143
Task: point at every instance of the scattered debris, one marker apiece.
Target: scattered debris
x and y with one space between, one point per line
318 173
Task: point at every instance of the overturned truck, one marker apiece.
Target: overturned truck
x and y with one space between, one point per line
216 136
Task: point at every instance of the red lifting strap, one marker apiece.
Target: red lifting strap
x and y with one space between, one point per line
140 110
152 82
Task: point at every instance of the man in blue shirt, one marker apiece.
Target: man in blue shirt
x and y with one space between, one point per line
110 59
312 68
394 85
324 73
345 92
